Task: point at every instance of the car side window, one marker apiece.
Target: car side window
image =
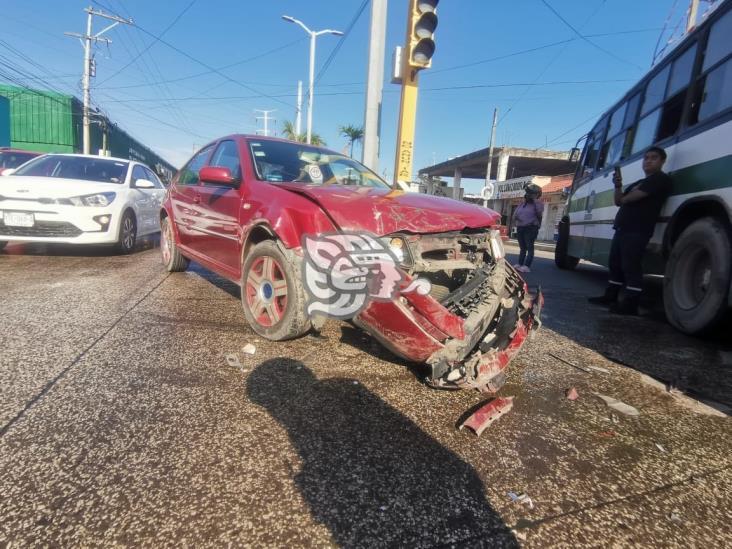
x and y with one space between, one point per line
138 172
227 156
189 173
154 178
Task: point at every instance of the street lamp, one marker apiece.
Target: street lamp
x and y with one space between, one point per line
313 36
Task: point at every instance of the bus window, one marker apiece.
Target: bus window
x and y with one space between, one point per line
714 91
719 45
646 131
676 96
592 149
656 90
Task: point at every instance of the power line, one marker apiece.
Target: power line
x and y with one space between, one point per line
586 39
342 40
155 41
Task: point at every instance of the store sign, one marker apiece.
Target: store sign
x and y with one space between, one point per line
513 188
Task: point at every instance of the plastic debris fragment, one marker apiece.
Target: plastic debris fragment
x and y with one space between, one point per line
249 349
618 406
521 498
571 394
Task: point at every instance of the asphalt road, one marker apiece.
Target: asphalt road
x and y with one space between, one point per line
123 423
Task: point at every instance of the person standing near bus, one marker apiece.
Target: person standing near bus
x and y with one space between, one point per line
639 207
527 219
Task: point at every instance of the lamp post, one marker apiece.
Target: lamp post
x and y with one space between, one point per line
313 36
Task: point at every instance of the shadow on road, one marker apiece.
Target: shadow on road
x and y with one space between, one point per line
144 243
369 474
648 344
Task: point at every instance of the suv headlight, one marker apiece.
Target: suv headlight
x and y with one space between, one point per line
497 245
94 200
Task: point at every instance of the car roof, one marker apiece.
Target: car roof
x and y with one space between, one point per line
251 137
12 150
95 156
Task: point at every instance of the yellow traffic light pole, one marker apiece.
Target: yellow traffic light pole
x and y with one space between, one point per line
407 123
417 54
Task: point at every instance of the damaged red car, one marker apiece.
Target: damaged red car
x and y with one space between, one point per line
242 206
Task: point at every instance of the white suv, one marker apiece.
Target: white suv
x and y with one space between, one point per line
80 199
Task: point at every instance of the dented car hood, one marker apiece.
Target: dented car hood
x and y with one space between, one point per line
384 211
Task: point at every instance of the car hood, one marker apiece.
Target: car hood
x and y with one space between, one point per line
31 187
383 211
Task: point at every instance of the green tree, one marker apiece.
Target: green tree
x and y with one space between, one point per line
352 133
288 130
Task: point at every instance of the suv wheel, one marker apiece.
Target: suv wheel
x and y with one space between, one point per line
272 294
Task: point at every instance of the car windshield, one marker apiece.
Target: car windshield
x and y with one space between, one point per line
281 161
76 167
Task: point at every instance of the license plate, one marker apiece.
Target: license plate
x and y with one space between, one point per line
18 219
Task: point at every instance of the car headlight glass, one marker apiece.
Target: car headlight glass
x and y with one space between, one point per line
98 200
398 247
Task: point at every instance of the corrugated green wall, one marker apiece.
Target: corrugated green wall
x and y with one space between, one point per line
40 121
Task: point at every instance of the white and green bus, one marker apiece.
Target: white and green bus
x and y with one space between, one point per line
683 104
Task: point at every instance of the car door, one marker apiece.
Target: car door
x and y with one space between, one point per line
220 206
158 195
185 200
144 200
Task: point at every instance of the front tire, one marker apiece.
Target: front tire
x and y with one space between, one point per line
697 278
562 259
173 260
272 294
127 233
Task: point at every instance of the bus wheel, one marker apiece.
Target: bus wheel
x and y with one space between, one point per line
561 256
697 279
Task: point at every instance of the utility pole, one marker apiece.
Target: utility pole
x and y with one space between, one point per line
374 85
298 115
266 119
86 42
693 11
488 185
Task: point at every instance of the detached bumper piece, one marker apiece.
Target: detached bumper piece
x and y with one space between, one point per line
501 314
487 414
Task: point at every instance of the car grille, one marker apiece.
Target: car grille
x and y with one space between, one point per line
50 229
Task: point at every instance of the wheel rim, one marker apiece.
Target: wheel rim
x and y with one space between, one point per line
692 278
128 233
166 244
266 291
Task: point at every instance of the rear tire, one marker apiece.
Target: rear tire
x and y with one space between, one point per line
697 278
127 237
272 294
173 260
562 259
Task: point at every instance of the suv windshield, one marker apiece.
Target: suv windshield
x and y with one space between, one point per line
279 161
76 167
14 159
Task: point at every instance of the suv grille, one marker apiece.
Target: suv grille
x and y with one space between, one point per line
50 229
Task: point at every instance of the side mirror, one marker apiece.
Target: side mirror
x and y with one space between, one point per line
7 171
216 174
574 154
144 184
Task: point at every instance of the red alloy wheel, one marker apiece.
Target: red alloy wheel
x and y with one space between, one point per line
266 291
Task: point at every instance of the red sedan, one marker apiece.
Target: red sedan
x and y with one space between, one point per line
309 233
13 158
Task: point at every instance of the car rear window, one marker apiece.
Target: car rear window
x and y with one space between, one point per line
14 159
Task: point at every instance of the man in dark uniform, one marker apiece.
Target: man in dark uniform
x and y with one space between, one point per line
640 204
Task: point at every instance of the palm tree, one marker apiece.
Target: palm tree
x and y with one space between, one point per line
288 130
353 133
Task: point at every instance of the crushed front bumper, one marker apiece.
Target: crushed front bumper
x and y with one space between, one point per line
468 351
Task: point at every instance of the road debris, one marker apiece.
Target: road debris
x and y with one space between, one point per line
599 369
607 434
521 498
675 516
571 394
232 359
661 448
249 349
487 414
617 405
568 363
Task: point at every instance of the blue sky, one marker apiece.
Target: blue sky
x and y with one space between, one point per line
550 95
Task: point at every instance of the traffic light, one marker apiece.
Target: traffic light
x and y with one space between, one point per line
420 33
